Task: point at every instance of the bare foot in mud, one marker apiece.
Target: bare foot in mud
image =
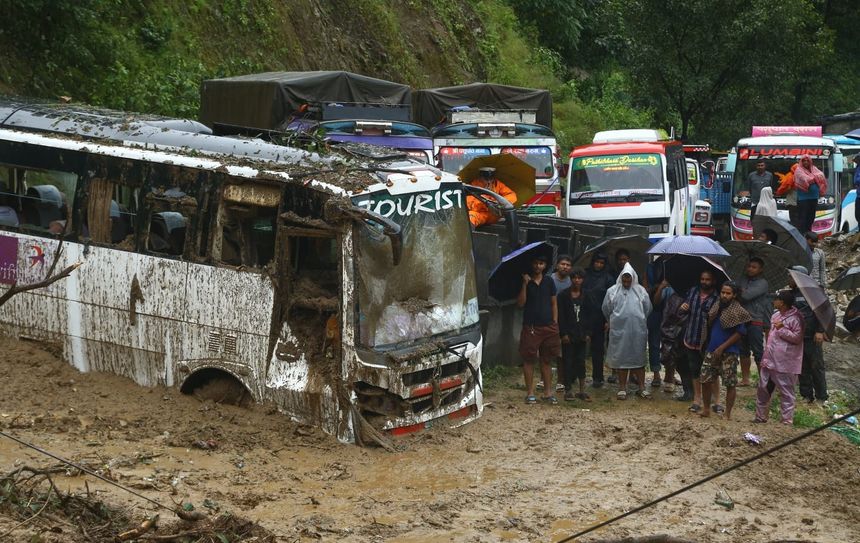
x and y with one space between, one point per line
705 414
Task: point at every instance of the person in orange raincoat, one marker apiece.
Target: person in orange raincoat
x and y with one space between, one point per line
479 213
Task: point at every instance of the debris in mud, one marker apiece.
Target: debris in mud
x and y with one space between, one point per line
722 498
205 444
752 439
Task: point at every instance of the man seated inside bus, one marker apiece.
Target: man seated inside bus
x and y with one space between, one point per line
479 213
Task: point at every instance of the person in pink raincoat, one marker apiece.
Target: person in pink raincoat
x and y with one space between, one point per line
811 185
782 359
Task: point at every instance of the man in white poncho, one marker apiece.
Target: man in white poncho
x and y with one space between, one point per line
626 308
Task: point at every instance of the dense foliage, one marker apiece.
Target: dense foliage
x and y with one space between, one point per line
710 69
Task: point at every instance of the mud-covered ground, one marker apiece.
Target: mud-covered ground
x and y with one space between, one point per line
520 473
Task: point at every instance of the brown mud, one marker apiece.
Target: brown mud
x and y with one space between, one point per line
520 473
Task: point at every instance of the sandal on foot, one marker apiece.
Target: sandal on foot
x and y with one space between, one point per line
695 408
759 421
584 397
718 409
644 394
622 395
531 399
552 400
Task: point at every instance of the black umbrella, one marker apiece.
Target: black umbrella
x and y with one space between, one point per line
683 271
776 261
817 299
636 245
848 279
506 279
788 237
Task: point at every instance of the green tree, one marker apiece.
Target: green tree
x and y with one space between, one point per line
557 24
695 60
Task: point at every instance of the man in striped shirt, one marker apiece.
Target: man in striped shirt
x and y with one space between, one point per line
697 305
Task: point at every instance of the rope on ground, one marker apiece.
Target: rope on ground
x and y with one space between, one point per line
712 476
84 470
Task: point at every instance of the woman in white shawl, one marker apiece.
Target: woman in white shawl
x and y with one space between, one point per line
626 307
766 204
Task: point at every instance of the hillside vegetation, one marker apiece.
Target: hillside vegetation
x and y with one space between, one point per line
608 63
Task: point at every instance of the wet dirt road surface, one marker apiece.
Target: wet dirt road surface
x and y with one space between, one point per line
520 473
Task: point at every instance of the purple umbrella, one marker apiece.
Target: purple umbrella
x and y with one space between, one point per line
506 279
688 245
817 299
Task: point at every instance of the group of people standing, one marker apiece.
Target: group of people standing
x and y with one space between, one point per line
801 187
705 335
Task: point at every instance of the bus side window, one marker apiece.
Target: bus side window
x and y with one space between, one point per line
37 200
245 235
111 213
169 220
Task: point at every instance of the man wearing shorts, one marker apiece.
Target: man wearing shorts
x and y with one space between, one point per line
696 305
539 339
728 322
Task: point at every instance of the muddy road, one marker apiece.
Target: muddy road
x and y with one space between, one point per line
521 473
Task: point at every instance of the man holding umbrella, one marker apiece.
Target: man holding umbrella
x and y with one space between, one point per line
539 339
479 213
813 381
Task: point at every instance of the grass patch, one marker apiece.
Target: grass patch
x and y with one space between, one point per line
498 376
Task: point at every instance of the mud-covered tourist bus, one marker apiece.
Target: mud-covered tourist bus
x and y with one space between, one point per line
342 292
633 176
780 147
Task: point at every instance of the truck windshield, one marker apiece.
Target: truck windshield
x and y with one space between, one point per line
432 291
453 159
539 158
745 191
616 177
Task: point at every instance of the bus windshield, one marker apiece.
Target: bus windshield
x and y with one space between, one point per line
616 176
778 167
539 158
432 290
453 159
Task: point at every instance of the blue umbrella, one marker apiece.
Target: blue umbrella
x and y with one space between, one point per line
688 245
506 279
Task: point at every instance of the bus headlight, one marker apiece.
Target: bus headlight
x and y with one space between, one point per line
831 200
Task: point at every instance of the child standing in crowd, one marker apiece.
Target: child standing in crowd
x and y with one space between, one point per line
574 316
671 332
782 360
728 323
561 278
539 339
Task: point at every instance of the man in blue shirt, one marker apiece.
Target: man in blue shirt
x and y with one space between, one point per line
727 320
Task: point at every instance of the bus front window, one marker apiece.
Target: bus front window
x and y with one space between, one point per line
454 159
432 290
742 196
616 176
539 158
